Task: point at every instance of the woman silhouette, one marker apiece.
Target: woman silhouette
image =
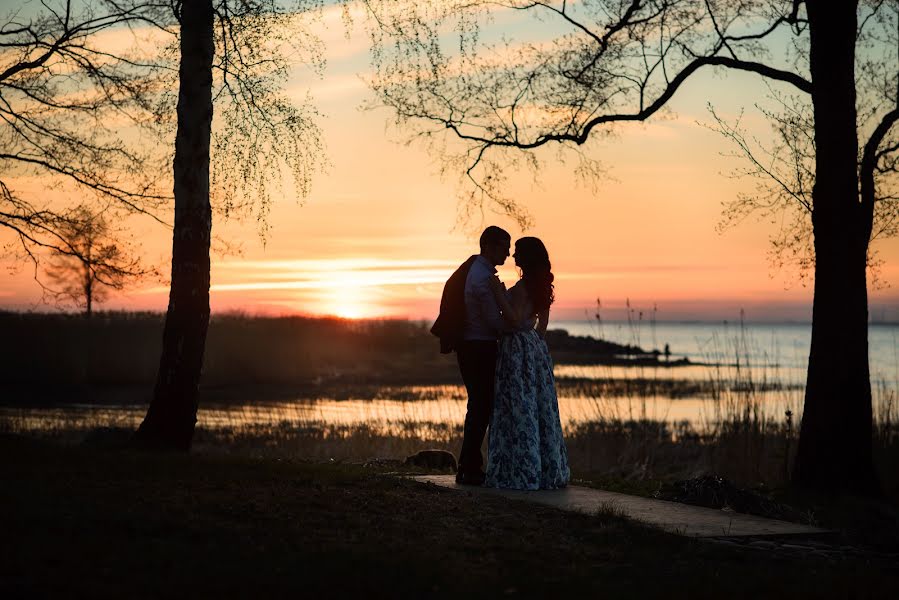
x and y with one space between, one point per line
525 446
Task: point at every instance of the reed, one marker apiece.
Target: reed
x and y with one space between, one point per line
748 427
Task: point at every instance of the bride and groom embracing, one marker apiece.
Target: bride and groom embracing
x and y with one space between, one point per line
497 335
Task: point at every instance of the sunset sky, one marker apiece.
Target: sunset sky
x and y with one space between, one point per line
379 234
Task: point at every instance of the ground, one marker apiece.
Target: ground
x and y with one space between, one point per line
91 522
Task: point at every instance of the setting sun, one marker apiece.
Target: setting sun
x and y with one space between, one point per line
348 312
346 306
341 298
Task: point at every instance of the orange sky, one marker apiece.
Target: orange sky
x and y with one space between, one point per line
378 235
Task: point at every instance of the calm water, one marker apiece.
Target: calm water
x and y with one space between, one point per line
780 347
423 418
774 353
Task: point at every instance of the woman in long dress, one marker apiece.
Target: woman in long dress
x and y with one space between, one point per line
525 446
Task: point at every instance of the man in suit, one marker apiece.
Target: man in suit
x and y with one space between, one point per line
470 323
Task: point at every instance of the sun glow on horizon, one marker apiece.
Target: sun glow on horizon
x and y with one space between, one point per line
348 303
344 287
348 311
383 287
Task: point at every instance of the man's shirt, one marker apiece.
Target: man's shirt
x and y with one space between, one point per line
483 320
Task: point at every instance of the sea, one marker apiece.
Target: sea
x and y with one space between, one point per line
730 353
781 346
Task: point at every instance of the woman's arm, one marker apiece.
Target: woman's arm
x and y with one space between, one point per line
510 314
542 321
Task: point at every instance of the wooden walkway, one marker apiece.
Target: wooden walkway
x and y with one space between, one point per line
682 519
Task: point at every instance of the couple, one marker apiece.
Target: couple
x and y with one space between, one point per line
506 366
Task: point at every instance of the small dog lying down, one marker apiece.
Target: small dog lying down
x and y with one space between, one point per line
433 459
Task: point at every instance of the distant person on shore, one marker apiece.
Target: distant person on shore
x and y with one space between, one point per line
470 323
525 448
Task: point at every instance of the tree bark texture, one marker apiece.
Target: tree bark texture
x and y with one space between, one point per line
170 420
835 439
88 289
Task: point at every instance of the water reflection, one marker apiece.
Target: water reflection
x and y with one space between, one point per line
786 375
702 396
425 417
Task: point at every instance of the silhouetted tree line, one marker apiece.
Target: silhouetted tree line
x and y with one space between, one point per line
118 348
123 348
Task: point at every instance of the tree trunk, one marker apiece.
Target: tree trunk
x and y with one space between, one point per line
88 280
172 415
835 439
89 299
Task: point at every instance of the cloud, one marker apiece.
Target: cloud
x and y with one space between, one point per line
325 274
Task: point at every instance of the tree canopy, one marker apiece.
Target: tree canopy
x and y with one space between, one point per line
485 102
73 109
87 111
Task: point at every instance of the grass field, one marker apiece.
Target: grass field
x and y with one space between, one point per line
90 523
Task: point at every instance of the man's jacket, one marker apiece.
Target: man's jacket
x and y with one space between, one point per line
450 323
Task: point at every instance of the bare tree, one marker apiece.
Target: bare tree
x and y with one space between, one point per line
229 57
617 61
74 112
82 115
100 261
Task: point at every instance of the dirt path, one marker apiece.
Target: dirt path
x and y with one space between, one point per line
674 517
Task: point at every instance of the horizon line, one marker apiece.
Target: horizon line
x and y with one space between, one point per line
410 318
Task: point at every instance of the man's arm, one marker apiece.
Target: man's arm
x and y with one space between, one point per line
507 306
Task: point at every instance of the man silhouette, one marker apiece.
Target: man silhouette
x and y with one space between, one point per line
470 323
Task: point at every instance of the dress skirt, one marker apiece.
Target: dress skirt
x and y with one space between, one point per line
526 450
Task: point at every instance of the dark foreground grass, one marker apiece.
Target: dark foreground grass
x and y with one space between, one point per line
89 523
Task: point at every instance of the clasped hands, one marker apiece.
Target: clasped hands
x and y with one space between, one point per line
510 315
496 285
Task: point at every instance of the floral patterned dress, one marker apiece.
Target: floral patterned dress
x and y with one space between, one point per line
525 446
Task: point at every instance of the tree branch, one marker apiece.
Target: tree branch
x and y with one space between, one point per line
869 165
582 136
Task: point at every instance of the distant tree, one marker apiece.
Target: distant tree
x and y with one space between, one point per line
620 61
99 261
75 114
229 55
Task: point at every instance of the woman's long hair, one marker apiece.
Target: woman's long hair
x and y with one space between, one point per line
536 271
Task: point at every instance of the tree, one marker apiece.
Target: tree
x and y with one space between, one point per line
617 61
172 414
72 111
99 261
78 113
229 53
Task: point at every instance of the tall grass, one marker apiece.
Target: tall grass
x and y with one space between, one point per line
747 430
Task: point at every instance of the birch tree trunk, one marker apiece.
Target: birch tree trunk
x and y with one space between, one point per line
170 420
